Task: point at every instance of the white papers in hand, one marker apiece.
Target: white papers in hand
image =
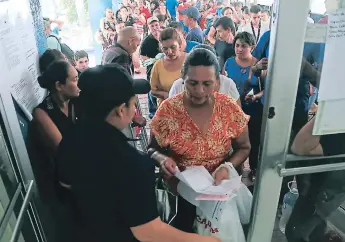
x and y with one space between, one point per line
200 180
250 93
197 178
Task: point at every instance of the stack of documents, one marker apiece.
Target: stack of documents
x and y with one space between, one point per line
198 184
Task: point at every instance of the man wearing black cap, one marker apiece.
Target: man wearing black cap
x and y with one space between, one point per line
111 184
191 17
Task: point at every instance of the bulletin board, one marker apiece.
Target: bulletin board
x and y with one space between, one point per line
19 53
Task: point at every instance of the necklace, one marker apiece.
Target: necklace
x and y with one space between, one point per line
259 29
243 70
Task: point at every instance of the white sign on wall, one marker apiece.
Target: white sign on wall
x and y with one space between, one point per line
330 118
19 55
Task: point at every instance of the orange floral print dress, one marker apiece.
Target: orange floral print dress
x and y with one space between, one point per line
174 129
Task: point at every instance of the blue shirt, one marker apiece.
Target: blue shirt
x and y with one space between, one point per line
219 12
190 45
195 34
262 48
312 52
171 6
240 76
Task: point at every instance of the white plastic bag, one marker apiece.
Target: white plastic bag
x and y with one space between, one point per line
244 199
224 223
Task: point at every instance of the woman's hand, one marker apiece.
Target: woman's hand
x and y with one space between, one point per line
169 168
262 64
250 98
221 174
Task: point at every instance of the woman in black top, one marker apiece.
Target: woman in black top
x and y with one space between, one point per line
56 114
52 119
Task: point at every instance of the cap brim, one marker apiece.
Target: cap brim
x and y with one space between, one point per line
155 20
141 86
183 12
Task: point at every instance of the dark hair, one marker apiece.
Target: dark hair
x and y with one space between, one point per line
176 25
48 57
119 21
80 54
156 3
238 4
205 46
161 17
226 8
265 10
245 10
56 72
117 17
226 23
255 9
169 33
245 37
201 57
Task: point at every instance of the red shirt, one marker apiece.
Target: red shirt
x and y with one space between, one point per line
146 12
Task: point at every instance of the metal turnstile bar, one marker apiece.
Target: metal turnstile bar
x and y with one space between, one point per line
9 211
311 169
291 157
23 209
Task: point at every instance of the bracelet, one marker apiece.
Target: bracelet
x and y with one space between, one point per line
159 158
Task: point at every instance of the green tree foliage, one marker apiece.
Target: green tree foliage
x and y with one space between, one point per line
71 10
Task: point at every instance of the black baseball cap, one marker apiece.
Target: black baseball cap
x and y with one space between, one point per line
106 86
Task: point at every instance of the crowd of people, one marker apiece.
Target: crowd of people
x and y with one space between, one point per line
205 64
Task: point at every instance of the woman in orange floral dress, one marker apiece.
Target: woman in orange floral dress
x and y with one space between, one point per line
199 127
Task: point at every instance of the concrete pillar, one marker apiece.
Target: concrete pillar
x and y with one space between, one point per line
96 11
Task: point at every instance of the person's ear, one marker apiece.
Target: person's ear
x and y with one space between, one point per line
59 86
120 110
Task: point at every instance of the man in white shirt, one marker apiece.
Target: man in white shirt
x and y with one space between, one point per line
256 27
226 85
